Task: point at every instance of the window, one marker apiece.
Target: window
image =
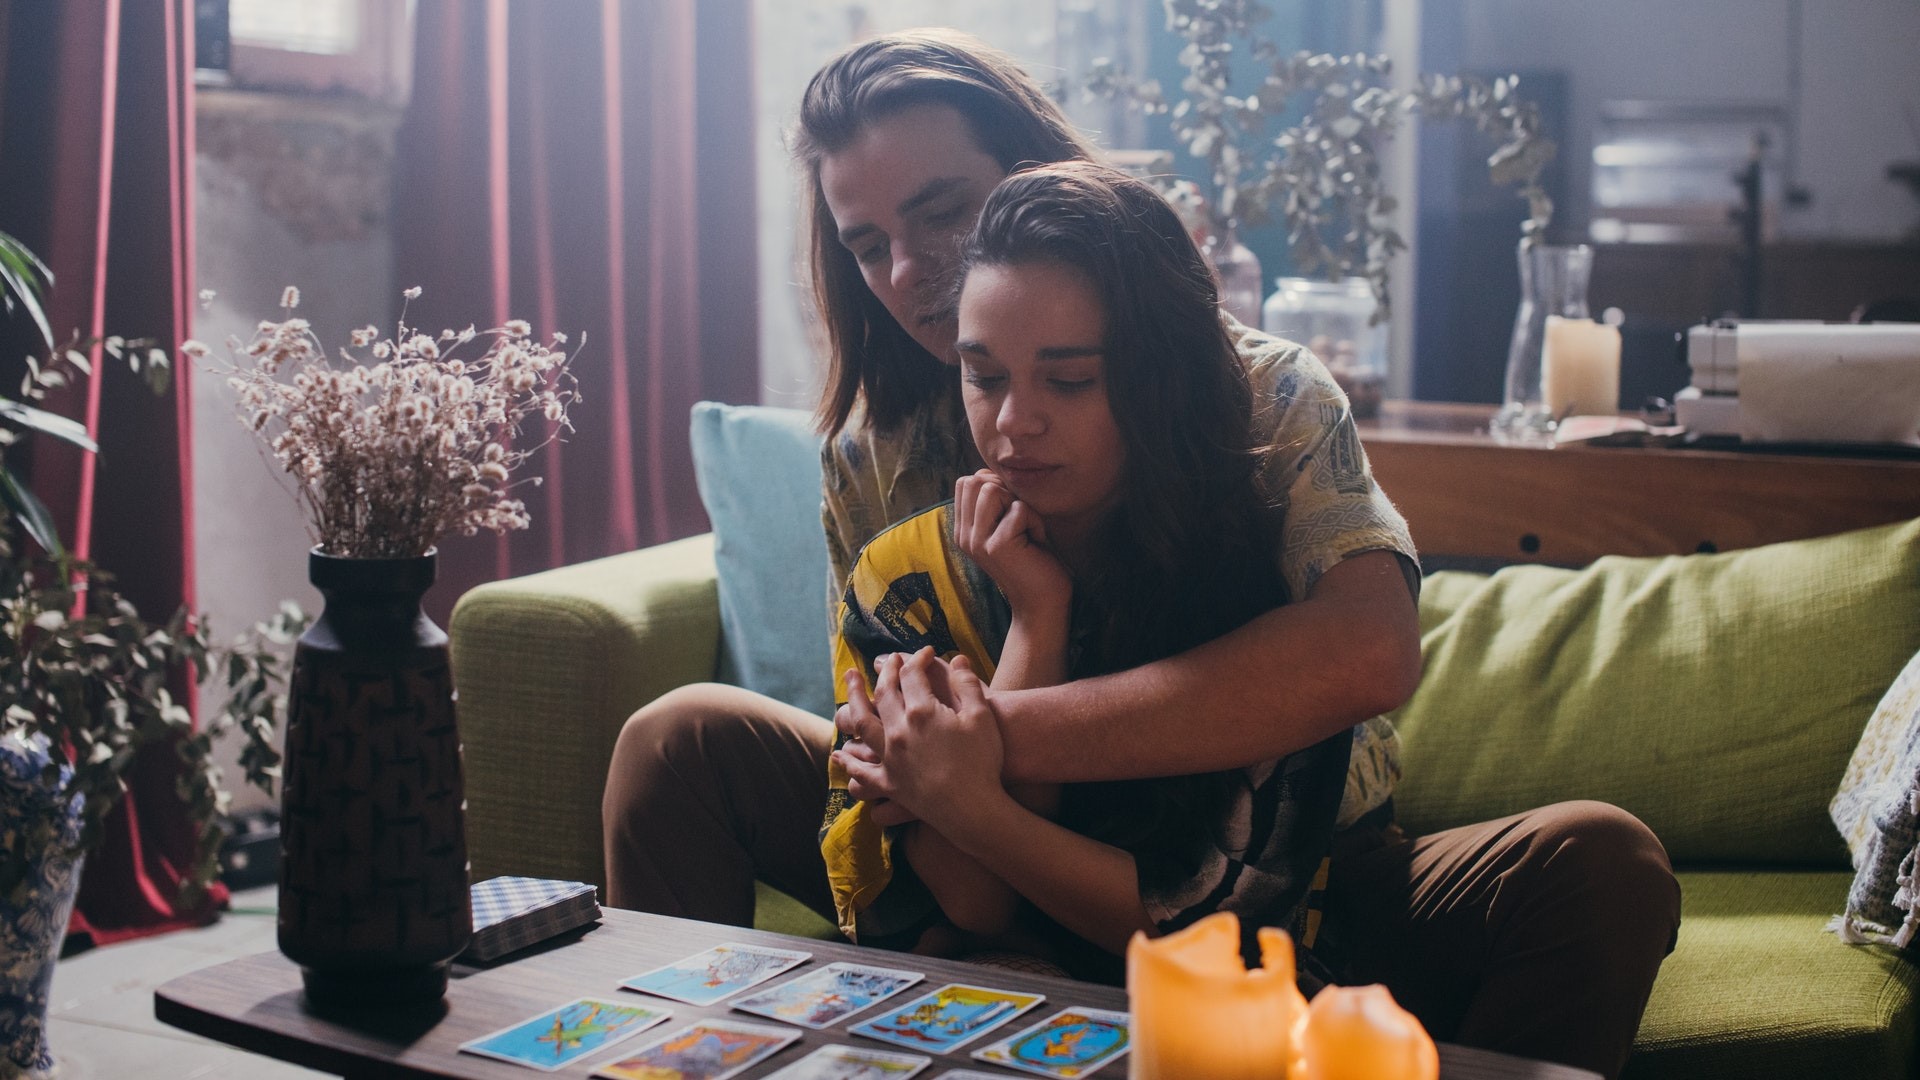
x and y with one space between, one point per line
327 27
360 48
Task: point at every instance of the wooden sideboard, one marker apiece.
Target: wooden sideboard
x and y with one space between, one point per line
1471 499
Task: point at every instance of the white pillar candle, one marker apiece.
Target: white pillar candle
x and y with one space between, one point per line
1581 368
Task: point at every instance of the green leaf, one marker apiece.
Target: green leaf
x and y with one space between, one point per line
25 280
47 423
32 513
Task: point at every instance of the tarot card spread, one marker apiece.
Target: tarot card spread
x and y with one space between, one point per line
1068 1044
948 1018
561 1036
829 995
720 972
709 1050
853 1063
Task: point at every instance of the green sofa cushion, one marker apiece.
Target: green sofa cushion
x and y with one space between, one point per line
776 911
1756 987
1718 697
549 667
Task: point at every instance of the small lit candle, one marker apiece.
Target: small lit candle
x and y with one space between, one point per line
1580 368
1199 1014
1361 1033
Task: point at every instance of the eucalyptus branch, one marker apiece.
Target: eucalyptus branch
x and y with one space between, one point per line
1304 144
1497 111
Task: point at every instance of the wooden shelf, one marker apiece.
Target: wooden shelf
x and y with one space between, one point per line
1469 497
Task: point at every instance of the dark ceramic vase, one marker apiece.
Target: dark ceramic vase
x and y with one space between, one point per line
373 866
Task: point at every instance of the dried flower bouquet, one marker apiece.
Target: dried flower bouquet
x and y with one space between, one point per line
409 440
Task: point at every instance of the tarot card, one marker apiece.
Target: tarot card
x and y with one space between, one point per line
948 1018
719 972
1068 1044
853 1063
708 1050
829 995
562 1036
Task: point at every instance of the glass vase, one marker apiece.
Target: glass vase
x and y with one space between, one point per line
1239 272
1553 281
373 849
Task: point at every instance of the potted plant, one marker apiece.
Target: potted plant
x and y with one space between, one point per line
86 684
389 444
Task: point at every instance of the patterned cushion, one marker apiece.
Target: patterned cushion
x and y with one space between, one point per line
1878 812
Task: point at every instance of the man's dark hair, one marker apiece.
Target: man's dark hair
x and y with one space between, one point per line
1012 120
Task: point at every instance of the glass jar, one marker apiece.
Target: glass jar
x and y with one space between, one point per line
1334 319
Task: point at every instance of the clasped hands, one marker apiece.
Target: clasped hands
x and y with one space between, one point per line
924 741
929 740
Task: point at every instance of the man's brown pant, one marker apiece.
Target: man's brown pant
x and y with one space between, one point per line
1537 934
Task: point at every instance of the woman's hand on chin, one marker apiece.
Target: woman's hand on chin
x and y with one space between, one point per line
1008 541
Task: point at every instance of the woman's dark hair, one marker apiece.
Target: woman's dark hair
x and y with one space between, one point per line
1182 561
1012 120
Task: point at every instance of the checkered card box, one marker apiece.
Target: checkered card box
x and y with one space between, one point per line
512 913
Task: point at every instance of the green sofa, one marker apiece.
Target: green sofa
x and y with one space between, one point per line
1717 696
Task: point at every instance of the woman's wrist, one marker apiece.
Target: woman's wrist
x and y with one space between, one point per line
1038 633
978 826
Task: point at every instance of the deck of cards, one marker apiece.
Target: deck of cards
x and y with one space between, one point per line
1069 1044
511 913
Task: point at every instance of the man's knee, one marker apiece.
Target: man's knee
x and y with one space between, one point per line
1597 849
675 721
660 744
1597 834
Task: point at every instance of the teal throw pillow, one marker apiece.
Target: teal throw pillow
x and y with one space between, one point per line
758 469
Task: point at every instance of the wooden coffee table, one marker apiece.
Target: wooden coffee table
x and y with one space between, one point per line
257 1005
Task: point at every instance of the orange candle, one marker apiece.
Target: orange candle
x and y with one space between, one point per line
1361 1033
1199 1014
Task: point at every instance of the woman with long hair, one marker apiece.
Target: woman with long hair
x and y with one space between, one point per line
1117 521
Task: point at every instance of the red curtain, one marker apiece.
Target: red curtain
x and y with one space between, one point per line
587 165
96 152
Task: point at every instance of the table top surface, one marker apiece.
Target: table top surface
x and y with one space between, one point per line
257 1004
1448 423
1475 502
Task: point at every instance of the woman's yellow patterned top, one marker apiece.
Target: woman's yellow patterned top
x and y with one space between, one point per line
1265 858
